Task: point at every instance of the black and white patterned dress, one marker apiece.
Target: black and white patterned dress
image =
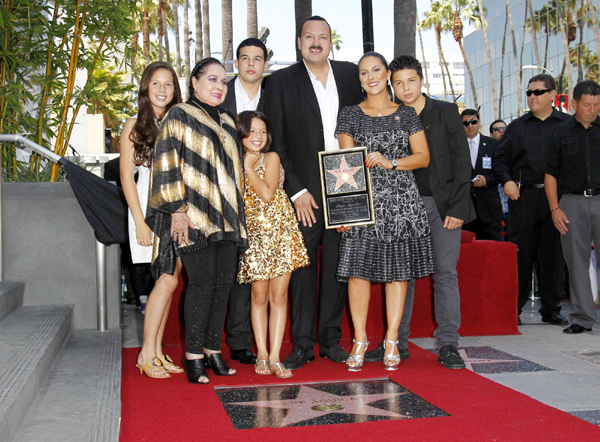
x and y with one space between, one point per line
398 246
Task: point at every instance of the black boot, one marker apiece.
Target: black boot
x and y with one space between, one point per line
194 369
217 364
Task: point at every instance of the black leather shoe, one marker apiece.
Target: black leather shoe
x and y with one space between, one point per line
194 368
575 329
519 322
450 358
555 319
217 364
376 355
244 355
334 352
298 357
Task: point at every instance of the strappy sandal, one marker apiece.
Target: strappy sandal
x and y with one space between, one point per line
153 369
390 360
166 360
355 361
263 365
281 374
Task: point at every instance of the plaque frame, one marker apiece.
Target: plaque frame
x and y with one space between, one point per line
362 198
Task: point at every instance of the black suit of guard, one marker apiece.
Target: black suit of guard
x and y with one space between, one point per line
293 111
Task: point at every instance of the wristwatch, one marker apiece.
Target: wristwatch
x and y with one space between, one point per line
394 163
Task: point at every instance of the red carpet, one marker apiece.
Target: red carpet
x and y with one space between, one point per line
479 409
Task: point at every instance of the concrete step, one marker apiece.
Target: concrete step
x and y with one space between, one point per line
30 339
81 398
11 297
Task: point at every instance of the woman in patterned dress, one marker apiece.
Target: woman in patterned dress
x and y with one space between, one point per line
159 90
398 247
276 246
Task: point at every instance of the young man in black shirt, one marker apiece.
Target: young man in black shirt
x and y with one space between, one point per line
573 171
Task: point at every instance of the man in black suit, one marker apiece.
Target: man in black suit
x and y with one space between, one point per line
302 103
444 186
246 92
484 187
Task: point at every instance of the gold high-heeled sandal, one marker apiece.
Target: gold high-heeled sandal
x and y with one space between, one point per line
166 360
355 361
153 369
390 360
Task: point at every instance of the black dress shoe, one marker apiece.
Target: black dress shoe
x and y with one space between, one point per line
575 329
334 352
194 368
450 358
217 364
555 319
376 355
244 355
299 357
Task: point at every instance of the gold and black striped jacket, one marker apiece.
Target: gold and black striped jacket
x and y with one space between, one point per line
197 168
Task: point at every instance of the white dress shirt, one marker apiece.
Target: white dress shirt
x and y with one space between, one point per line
474 148
242 101
329 104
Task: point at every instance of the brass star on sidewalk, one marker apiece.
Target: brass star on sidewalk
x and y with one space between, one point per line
312 403
345 174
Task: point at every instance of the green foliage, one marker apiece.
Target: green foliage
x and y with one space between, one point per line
40 52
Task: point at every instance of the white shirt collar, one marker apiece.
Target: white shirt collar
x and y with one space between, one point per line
313 77
476 139
239 90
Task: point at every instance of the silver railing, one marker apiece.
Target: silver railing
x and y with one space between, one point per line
21 141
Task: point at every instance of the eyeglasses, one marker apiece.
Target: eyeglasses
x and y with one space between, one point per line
537 92
473 122
499 129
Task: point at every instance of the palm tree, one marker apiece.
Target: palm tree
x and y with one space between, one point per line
163 12
206 28
336 42
302 10
467 9
566 39
489 57
533 33
161 29
186 39
198 10
422 51
252 19
134 48
177 37
516 58
405 15
147 8
593 13
502 65
227 42
434 19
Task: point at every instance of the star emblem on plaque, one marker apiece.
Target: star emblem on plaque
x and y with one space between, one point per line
346 188
322 404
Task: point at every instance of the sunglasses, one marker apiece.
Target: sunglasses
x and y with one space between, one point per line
499 129
473 122
537 92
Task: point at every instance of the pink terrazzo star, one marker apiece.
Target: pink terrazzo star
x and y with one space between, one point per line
345 174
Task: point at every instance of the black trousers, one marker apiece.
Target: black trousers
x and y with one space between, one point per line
211 273
304 289
530 227
239 328
490 231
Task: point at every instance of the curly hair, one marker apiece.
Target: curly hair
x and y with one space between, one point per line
144 131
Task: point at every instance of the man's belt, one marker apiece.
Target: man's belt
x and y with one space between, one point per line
532 186
587 192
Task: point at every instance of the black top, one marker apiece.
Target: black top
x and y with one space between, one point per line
520 155
573 156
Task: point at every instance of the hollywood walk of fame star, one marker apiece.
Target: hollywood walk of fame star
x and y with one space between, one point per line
469 361
345 174
305 406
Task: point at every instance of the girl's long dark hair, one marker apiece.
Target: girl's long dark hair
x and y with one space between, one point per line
144 131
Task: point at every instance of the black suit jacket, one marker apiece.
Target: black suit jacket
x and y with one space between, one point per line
486 199
231 105
449 167
296 126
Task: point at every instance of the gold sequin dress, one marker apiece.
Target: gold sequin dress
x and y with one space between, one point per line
276 245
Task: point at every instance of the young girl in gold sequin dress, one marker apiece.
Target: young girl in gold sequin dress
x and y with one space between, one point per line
276 246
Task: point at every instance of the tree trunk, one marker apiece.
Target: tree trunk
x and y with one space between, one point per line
177 38
134 48
592 12
206 28
581 16
252 20
423 53
534 33
227 41
438 37
502 67
198 10
302 10
166 30
160 30
146 36
484 26
516 58
186 40
565 39
405 19
462 50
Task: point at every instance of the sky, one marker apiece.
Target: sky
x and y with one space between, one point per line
343 15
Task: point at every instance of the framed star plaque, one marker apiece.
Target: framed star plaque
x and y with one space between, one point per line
346 188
